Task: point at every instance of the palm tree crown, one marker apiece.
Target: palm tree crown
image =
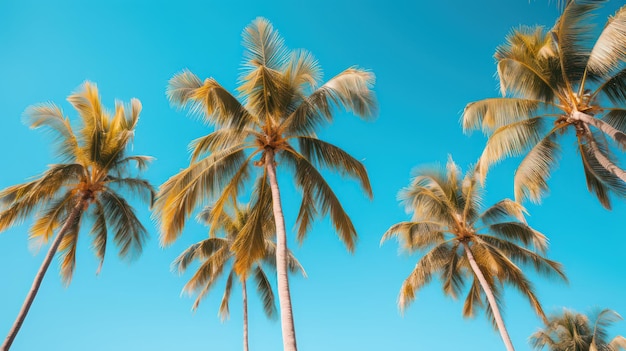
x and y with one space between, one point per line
96 167
462 243
571 331
553 83
273 123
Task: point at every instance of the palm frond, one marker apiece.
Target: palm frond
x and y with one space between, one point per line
503 210
609 51
208 273
325 154
416 235
135 186
491 114
531 176
51 116
616 118
220 139
183 192
302 70
265 291
264 46
52 217
198 251
99 233
421 275
510 140
519 232
129 234
67 251
308 178
452 275
224 311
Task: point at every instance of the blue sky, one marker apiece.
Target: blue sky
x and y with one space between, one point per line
430 58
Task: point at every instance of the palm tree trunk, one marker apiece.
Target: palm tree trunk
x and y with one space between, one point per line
244 294
284 296
606 128
492 300
604 161
39 277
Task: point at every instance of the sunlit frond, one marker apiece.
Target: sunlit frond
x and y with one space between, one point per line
183 192
264 45
531 176
302 70
491 114
502 211
610 47
517 232
52 217
137 187
416 235
510 140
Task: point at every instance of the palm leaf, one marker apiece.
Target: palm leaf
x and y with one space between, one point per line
491 114
129 234
531 176
264 290
503 210
224 311
609 51
50 116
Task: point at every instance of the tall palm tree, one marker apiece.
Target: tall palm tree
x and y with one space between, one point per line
554 82
273 124
95 168
216 253
571 331
462 244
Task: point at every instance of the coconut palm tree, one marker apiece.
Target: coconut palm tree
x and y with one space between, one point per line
216 253
461 243
557 82
86 185
273 123
571 331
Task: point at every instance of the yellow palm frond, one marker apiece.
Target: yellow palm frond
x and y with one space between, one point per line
531 176
67 251
49 115
129 234
610 47
491 114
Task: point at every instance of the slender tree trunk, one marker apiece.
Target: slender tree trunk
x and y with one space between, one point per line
39 277
284 296
604 161
492 300
244 294
606 128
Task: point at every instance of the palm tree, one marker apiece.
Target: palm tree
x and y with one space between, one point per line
86 185
273 124
571 331
461 243
215 253
554 82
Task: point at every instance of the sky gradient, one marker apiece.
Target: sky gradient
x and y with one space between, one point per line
430 58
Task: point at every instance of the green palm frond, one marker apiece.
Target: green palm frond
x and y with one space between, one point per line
609 50
332 157
265 291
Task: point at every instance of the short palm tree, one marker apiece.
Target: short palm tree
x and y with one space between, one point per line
571 331
554 82
273 124
86 185
461 243
215 255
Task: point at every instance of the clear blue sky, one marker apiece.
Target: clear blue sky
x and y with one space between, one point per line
430 58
